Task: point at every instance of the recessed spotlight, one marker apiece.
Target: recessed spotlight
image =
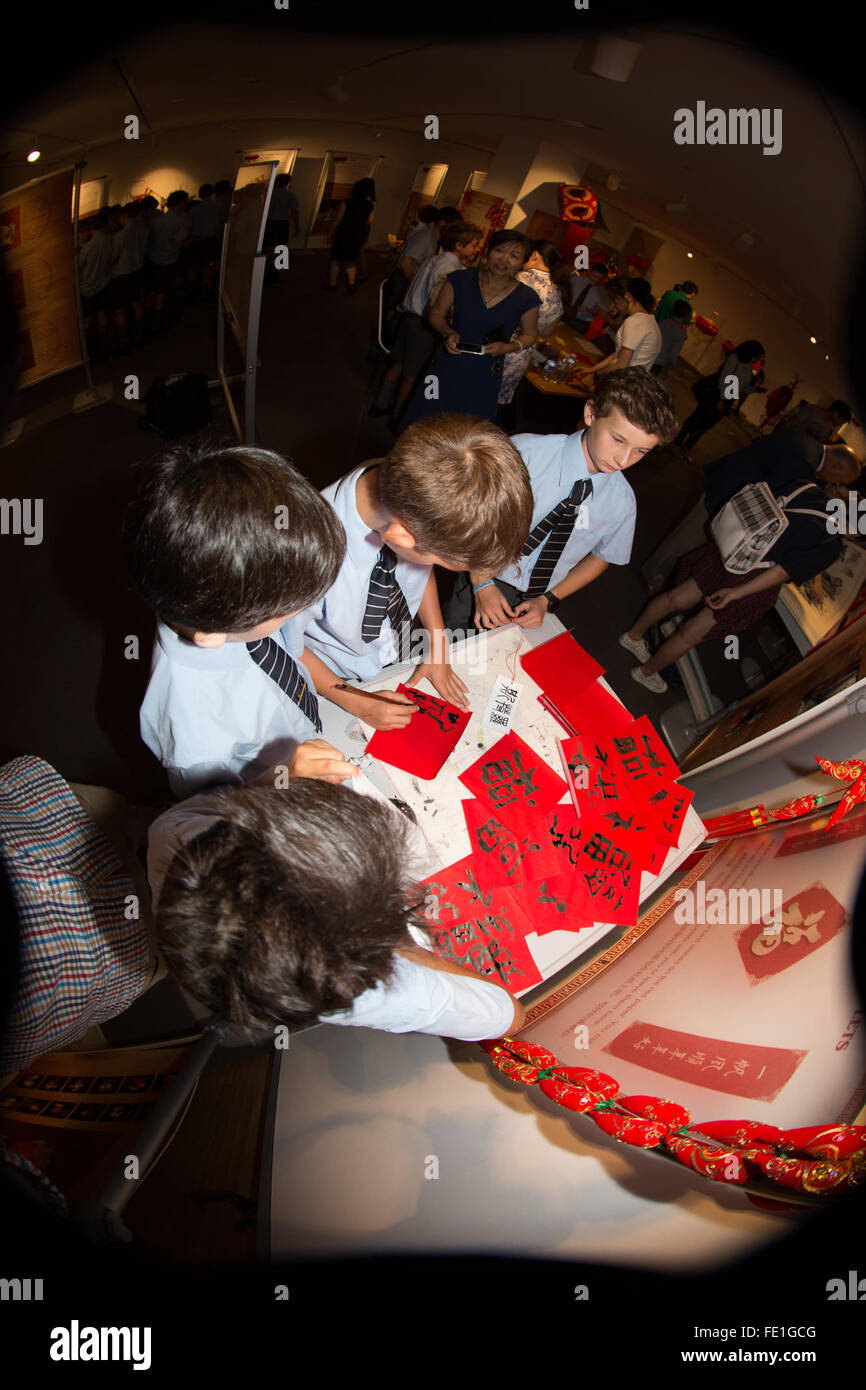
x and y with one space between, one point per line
826 357
33 156
813 340
690 255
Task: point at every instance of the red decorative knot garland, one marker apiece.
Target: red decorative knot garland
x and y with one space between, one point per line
819 1159
735 822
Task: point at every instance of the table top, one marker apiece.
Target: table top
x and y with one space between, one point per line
564 338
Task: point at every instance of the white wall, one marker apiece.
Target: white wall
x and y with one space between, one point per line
188 157
539 191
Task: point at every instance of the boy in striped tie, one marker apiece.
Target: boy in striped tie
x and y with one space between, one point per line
452 492
583 508
228 546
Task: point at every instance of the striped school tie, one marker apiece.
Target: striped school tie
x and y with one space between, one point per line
385 599
556 527
276 663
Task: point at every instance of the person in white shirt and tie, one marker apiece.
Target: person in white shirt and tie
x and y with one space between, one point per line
583 512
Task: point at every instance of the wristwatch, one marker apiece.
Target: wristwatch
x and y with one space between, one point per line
552 601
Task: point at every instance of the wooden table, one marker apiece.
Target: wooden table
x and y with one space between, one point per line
564 338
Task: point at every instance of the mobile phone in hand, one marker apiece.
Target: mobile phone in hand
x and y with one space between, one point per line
471 347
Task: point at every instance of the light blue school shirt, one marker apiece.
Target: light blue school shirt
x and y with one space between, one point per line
416 999
605 522
333 626
212 715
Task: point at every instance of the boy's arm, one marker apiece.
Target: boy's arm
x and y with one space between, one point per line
491 606
438 668
383 711
431 961
532 611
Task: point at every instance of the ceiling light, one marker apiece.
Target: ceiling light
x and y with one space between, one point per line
33 156
690 255
813 340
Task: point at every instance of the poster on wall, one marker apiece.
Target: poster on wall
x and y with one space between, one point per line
426 188
733 996
486 211
36 244
343 171
93 196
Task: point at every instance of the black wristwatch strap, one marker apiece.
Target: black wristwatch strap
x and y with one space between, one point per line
552 602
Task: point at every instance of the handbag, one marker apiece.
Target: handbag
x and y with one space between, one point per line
750 524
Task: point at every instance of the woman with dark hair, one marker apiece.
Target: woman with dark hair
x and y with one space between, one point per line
492 316
548 274
638 339
718 393
351 232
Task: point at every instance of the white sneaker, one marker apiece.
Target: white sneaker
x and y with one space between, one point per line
653 683
637 648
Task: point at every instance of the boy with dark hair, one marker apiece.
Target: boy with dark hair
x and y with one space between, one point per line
452 492
583 509
295 907
228 546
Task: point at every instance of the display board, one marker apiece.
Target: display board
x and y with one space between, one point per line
840 584
284 159
426 188
243 242
343 170
709 1002
36 240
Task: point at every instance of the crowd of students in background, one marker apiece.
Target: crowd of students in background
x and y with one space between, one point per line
138 264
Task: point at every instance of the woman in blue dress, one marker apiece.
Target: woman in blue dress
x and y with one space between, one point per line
488 307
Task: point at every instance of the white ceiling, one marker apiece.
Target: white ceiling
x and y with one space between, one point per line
804 206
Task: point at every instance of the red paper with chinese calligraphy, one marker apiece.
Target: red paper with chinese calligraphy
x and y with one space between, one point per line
610 877
740 1069
454 895
645 760
598 786
808 920
561 667
510 776
668 808
492 943
426 742
519 852
561 902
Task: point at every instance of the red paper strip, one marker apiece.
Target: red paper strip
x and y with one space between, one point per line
595 713
626 826
737 1068
427 740
519 852
562 903
561 667
512 775
611 877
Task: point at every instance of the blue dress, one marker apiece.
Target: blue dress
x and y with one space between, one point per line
468 383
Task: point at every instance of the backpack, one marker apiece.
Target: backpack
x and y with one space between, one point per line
177 404
750 523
